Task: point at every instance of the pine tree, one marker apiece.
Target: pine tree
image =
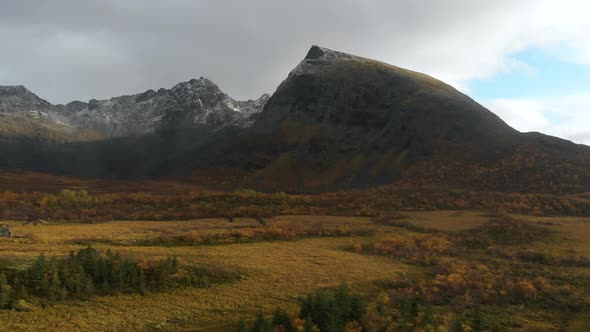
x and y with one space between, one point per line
5 292
306 307
282 318
402 326
342 301
105 288
320 313
141 282
88 287
413 313
334 321
308 326
457 325
54 286
78 285
101 269
242 326
428 318
38 272
20 291
479 323
261 324
357 309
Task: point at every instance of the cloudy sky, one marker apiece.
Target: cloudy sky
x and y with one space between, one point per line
528 61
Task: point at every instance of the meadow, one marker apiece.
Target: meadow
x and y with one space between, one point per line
293 259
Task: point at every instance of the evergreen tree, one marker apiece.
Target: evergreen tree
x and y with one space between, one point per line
105 288
78 285
428 318
308 326
88 287
402 326
342 301
357 309
261 324
334 318
20 292
306 307
55 284
457 324
5 292
479 321
321 310
141 282
282 318
101 270
38 272
413 312
242 326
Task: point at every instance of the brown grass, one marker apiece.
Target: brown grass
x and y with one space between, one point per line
275 273
448 221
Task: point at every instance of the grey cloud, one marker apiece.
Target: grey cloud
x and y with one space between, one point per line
65 50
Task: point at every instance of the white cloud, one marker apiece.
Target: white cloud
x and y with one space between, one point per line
567 117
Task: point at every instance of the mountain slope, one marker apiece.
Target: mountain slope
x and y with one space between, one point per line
127 136
340 121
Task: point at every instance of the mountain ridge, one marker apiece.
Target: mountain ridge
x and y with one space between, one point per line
337 121
195 102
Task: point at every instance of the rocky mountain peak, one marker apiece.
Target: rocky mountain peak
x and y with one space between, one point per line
326 54
17 98
317 57
201 83
197 102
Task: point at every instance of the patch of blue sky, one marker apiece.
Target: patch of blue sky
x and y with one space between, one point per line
535 74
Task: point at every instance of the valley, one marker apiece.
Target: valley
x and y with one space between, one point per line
274 272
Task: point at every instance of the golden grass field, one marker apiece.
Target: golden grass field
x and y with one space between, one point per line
273 273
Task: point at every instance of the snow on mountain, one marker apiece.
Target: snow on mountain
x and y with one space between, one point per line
198 102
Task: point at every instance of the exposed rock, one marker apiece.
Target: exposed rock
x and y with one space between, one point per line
5 231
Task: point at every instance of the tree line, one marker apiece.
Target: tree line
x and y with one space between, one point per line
90 272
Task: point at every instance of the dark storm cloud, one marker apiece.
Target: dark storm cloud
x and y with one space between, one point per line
66 50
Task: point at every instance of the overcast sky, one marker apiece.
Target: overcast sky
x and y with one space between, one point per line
528 61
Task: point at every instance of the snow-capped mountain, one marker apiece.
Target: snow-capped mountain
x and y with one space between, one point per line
198 102
17 98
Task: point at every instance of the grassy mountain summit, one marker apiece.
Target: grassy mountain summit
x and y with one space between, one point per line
341 121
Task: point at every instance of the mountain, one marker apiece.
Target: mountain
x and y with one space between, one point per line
127 136
193 103
340 121
196 103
